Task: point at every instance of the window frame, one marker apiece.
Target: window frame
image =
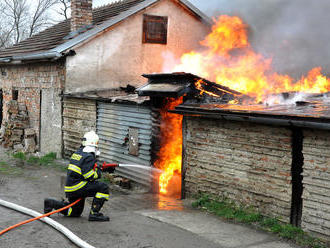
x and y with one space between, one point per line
147 19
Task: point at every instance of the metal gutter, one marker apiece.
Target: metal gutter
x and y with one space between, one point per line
32 56
42 55
274 120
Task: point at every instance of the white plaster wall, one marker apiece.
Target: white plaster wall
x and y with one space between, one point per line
51 123
118 57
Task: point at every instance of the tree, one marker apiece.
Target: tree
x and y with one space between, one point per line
20 19
39 18
15 12
64 9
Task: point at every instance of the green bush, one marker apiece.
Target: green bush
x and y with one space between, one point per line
48 158
33 160
19 155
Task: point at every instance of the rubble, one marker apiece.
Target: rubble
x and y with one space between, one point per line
15 131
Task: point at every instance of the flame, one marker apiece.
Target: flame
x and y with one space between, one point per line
170 154
229 60
199 85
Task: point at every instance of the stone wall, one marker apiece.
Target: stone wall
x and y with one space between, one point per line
248 163
316 201
30 80
79 116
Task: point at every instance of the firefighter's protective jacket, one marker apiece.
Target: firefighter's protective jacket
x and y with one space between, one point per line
81 170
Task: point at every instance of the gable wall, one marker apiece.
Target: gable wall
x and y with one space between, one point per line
118 57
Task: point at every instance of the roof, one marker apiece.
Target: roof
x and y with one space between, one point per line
111 95
56 40
313 112
178 84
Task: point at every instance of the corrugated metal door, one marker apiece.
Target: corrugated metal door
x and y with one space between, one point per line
125 133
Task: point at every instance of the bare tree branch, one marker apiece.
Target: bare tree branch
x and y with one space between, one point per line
17 11
39 16
20 19
65 9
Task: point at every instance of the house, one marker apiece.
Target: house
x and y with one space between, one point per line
273 158
105 50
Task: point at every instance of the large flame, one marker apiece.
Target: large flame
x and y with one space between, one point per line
229 60
170 153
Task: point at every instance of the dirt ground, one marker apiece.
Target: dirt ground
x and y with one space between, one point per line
27 185
137 218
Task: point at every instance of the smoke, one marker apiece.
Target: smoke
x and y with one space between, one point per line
295 33
169 61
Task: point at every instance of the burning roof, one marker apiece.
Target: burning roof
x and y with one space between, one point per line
193 87
228 59
312 112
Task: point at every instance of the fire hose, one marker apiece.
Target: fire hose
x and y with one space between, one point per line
71 236
43 217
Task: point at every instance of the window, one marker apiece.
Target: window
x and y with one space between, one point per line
14 94
154 29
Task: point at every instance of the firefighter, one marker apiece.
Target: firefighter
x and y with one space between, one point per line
81 182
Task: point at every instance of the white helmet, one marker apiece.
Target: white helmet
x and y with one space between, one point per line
90 139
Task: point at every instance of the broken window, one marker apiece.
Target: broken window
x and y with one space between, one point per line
155 29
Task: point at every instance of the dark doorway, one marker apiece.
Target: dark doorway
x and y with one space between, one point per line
297 178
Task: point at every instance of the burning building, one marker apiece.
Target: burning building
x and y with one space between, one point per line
265 146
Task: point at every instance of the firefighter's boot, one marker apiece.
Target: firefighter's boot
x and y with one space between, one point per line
51 203
95 214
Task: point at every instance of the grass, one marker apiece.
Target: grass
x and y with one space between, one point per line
6 169
19 155
48 160
231 211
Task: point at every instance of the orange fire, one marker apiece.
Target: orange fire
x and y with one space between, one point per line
229 60
170 153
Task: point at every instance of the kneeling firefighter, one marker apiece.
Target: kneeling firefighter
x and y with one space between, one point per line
81 182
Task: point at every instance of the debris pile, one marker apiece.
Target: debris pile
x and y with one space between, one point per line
15 131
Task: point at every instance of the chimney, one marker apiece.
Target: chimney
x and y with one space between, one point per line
81 14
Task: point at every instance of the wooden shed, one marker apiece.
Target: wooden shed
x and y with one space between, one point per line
274 158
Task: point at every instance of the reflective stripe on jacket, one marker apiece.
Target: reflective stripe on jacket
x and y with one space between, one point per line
80 170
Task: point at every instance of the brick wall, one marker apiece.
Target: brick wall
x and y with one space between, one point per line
316 201
81 13
248 163
30 80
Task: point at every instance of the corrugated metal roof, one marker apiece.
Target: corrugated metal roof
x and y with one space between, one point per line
54 40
